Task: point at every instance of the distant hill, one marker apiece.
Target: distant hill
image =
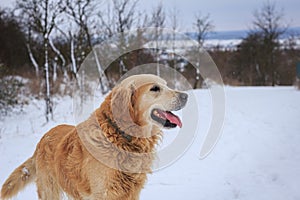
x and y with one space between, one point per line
240 34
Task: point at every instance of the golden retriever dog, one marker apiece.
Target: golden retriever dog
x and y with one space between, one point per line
107 156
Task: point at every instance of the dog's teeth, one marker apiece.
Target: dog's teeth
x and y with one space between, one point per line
158 114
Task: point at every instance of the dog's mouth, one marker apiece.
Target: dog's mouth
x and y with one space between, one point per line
166 118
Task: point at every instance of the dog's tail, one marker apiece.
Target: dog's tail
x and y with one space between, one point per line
20 177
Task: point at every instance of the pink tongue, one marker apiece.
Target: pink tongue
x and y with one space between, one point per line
173 118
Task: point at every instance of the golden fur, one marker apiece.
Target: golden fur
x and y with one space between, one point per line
105 157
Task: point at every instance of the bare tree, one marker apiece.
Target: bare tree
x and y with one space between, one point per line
124 11
173 15
42 16
119 20
203 25
82 13
30 43
119 17
174 21
59 56
268 23
158 18
32 59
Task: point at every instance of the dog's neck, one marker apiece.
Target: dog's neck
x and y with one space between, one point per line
101 138
127 137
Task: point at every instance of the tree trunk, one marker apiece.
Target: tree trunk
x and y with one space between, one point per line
49 111
102 78
54 75
197 78
33 61
73 60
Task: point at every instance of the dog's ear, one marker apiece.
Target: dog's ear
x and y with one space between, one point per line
122 105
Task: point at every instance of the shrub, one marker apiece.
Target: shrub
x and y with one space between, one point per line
10 88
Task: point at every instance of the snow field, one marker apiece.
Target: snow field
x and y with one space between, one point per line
257 156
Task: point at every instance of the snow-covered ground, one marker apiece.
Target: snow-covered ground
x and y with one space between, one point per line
257 156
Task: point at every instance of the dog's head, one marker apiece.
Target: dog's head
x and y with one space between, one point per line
146 100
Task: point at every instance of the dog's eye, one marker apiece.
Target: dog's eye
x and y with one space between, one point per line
155 88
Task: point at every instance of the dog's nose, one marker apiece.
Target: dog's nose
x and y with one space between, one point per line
183 98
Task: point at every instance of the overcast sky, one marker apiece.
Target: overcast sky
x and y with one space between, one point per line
225 14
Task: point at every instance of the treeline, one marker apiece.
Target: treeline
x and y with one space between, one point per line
264 57
67 30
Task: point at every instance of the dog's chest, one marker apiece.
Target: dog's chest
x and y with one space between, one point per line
127 182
